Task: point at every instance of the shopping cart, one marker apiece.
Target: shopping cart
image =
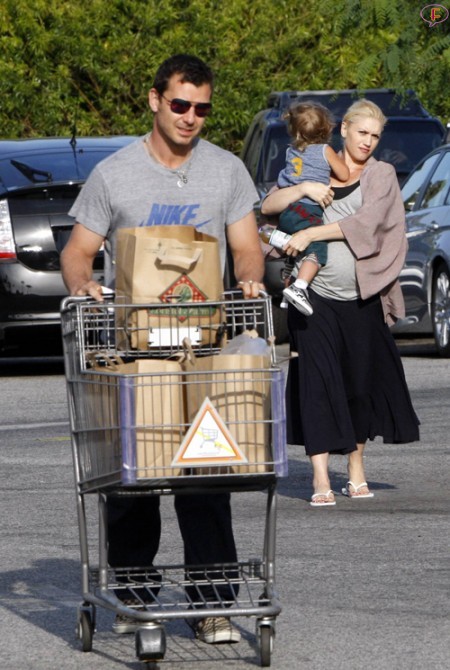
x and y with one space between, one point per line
156 409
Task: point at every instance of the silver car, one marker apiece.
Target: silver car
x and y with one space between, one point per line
425 278
39 181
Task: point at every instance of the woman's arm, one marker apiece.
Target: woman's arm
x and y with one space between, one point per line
299 241
381 213
279 198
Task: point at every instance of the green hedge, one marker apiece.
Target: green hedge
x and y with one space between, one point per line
88 64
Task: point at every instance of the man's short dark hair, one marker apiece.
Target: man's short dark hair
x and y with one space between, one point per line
192 70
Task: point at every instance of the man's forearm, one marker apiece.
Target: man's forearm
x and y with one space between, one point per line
248 259
249 266
76 271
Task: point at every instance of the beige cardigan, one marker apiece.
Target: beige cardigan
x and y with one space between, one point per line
376 234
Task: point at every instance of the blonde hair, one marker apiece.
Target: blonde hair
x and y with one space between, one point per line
365 108
309 123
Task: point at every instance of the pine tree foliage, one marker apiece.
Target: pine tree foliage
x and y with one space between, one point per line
410 53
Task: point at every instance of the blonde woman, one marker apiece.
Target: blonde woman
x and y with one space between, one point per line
347 385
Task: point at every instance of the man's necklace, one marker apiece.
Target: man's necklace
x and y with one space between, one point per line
181 173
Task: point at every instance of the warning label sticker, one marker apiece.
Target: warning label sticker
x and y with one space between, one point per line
208 441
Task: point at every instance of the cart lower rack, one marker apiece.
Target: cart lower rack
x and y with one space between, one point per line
149 419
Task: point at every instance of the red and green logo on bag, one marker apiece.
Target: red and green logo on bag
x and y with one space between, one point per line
183 290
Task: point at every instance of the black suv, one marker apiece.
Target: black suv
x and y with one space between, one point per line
39 181
409 135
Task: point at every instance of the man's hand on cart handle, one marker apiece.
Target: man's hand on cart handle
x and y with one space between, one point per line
251 288
92 288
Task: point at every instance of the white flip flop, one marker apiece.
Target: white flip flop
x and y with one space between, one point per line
355 495
315 496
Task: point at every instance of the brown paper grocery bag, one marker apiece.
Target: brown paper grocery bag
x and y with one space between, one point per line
150 400
167 264
238 387
173 265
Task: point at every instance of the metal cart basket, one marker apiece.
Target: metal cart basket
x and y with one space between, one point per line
156 408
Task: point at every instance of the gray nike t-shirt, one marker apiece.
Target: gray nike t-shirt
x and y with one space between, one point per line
130 189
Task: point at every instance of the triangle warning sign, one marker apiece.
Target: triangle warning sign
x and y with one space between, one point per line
208 441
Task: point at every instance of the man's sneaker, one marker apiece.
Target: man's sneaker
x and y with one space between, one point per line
299 298
216 630
125 624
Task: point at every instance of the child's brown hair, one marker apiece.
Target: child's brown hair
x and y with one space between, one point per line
309 123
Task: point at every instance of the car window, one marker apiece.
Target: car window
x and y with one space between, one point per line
404 142
275 154
28 169
251 156
438 187
413 184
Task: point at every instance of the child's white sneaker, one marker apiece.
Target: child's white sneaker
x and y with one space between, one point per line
299 298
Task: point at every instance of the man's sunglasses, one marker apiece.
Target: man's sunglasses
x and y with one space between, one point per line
179 106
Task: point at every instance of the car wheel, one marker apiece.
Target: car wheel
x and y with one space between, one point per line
440 310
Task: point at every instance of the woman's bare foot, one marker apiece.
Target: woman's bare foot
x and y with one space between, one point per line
357 485
323 499
353 490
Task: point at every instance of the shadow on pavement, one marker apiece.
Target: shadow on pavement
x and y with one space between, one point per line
45 595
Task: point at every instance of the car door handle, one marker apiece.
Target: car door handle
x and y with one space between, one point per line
421 229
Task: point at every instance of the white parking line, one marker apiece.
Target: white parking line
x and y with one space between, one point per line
31 426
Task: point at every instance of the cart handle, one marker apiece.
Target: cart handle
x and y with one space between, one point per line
70 300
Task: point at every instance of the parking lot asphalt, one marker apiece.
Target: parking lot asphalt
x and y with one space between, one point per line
364 584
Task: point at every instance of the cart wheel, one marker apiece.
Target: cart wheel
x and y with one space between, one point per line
266 635
150 643
85 628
